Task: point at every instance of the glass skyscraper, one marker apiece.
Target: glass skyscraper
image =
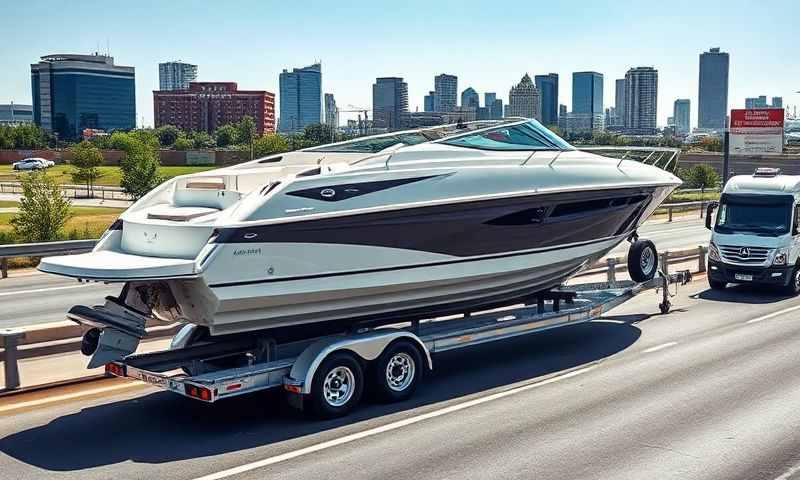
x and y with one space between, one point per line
548 88
176 75
389 100
445 98
300 98
641 100
75 92
681 114
587 92
713 90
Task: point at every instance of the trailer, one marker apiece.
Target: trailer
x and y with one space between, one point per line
327 375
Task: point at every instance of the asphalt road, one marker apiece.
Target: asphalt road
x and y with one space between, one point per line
39 298
709 391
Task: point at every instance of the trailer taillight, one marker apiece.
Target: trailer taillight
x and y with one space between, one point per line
115 369
201 393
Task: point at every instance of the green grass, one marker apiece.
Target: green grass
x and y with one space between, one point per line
86 222
111 175
8 204
692 197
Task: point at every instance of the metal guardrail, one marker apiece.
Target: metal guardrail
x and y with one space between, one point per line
76 191
65 337
40 250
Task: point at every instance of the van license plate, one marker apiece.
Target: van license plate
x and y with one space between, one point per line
743 277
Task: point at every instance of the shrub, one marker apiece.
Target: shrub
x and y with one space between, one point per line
43 211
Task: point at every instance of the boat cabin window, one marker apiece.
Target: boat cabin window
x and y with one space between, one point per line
766 215
530 135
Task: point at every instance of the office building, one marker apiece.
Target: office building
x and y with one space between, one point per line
470 98
587 92
331 111
548 89
756 102
206 106
15 114
429 103
389 100
562 117
446 91
681 114
524 100
777 102
641 95
619 102
300 98
576 123
74 92
176 75
712 96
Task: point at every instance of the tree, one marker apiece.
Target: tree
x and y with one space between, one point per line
225 135
86 162
246 132
43 211
182 143
140 171
700 176
269 144
201 140
167 135
319 133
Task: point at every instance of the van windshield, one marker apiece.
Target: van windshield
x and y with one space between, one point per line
768 215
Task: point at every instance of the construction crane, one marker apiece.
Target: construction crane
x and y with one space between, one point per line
362 126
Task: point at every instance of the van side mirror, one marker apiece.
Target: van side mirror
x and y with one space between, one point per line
710 213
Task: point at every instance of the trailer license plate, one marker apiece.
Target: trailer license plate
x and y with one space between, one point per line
153 379
743 277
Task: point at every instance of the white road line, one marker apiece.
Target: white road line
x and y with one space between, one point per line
659 347
387 428
68 396
789 473
39 290
773 314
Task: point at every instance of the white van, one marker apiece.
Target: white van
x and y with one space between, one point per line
755 237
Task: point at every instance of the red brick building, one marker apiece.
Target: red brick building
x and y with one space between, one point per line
208 105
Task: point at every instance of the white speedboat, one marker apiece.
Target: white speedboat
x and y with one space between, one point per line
385 228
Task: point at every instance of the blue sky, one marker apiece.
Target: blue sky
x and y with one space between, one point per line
489 45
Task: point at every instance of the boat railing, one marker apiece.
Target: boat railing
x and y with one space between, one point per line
663 157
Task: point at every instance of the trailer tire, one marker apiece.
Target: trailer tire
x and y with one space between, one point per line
397 372
642 260
337 386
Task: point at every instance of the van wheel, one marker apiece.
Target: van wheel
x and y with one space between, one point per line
642 260
793 288
337 386
397 372
716 285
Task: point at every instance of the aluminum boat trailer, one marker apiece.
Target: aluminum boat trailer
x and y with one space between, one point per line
327 375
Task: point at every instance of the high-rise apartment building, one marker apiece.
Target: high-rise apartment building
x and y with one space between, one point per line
681 114
300 98
619 102
524 100
331 111
446 93
548 88
429 103
206 106
389 100
470 98
641 96
713 90
75 92
176 75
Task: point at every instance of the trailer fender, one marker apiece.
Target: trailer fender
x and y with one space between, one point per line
368 346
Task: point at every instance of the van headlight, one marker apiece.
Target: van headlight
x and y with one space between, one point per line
781 257
713 252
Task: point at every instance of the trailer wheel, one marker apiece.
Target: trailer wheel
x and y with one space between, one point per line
397 372
337 386
642 260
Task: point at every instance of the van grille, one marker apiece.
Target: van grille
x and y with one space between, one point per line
744 255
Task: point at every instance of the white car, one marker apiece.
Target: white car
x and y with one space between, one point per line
32 164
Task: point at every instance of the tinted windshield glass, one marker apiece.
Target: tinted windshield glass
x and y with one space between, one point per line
524 136
748 214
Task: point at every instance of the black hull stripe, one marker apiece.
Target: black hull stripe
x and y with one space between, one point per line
407 267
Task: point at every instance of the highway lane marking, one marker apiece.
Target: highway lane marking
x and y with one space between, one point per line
789 473
388 427
773 314
39 290
13 407
659 347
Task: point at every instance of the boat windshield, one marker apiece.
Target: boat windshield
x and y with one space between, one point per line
766 215
530 135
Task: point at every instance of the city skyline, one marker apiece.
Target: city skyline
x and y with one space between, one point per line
755 66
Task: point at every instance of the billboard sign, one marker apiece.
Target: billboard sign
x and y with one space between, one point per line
757 131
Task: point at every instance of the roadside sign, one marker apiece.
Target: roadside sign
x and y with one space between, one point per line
756 131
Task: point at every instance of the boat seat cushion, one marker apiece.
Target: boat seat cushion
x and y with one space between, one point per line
178 214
